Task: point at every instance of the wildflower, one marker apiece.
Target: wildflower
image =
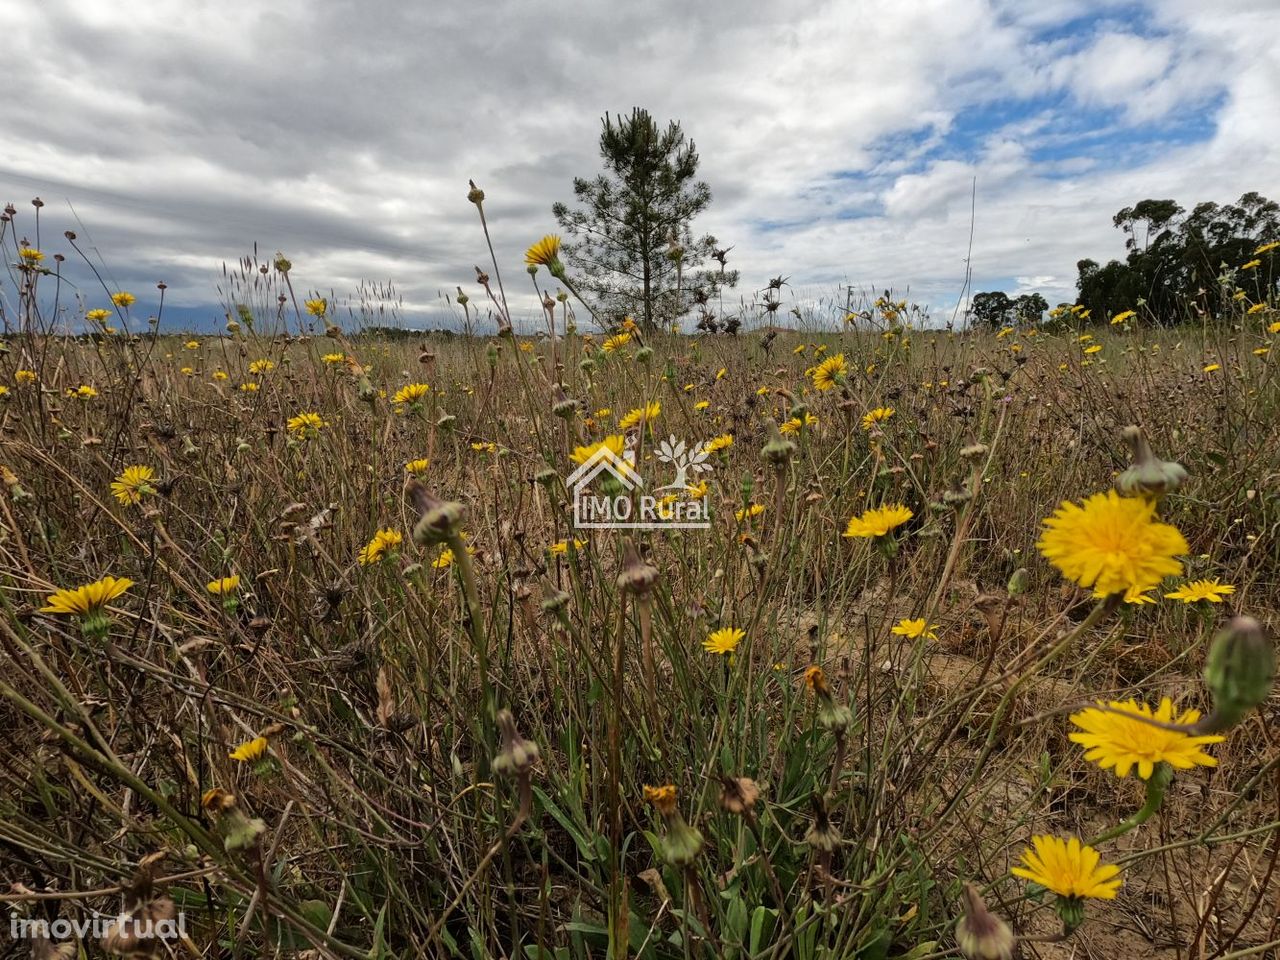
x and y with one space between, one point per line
616 342
1239 671
1111 543
306 425
123 299
444 561
248 388
1251 265
722 442
83 392
484 446
418 466
191 345
4 391
878 521
383 542
317 307
830 372
224 586
1004 332
130 486
878 415
1093 348
681 843
1123 740
261 366
1267 247
250 750
722 373
1212 367
220 375
411 393
1257 308
696 491
702 404
751 510
723 641
795 423
1194 590
615 444
912 629
1122 316
88 603
800 349
1068 868
333 358
546 253
641 416
980 934
562 547
97 315
30 255
25 376
1274 328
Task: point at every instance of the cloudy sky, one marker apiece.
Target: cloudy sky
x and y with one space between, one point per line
840 139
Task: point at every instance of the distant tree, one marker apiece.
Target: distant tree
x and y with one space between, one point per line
631 237
993 308
1174 259
1029 308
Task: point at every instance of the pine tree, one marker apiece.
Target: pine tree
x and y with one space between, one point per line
631 238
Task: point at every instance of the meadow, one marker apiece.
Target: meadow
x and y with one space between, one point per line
299 641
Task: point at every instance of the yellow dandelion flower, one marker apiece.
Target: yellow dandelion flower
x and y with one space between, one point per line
1112 544
1124 740
562 547
262 366
1251 265
306 425
723 641
333 358
916 628
1069 868
753 510
878 415
250 750
616 342
615 444
484 446
317 307
1122 316
132 483
87 600
30 255
696 491
702 404
444 561
640 416
722 373
224 585
411 393
248 388
220 375
97 315
663 798
829 372
794 424
722 442
383 542
546 253
878 521
1267 247
1093 348
1257 308
25 376
417 467
123 299
1274 328
83 392
1193 590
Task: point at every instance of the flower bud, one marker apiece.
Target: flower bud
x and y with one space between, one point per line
1239 671
682 843
516 755
637 576
738 795
1149 475
440 519
1018 582
980 934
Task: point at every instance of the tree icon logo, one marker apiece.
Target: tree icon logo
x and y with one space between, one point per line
684 458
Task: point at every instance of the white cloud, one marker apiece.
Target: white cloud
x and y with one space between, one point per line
182 132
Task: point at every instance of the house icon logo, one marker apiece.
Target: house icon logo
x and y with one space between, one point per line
608 492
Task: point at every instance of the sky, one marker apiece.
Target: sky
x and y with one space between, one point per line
842 141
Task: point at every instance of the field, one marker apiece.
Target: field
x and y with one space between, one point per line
369 693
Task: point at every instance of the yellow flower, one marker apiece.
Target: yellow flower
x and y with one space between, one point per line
262 366
526 346
4 391
702 404
411 393
615 444
317 307
1112 544
1212 367
1122 316
562 547
616 342
224 585
97 315
187 371
1274 328
800 349
722 373
628 324
484 446
89 599
546 253
1125 740
192 345
1093 348
383 541
794 424
25 376
1251 265
418 466
30 255
829 372
696 491
1194 590
1257 308
123 299
84 392
722 641
248 388
875 416
132 484
220 375
878 521
1267 247
333 358
1069 868
753 510
250 750
722 442
443 561
306 424
663 798
916 628
640 416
